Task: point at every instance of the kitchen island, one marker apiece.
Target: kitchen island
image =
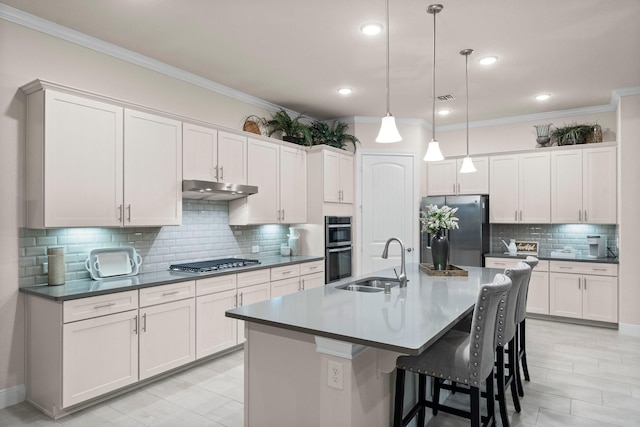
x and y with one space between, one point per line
325 357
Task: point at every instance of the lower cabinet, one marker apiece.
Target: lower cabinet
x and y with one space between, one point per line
251 295
538 295
584 296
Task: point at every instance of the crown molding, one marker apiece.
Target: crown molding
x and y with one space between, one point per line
33 22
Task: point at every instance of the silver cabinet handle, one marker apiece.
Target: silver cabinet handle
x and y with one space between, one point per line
109 304
216 176
579 282
585 283
516 215
221 173
283 214
599 269
580 215
585 215
454 187
120 213
241 298
135 324
144 322
303 284
458 188
236 303
129 213
520 215
313 267
164 294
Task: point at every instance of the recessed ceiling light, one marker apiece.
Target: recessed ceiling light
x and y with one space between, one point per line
488 60
543 96
444 112
345 91
371 29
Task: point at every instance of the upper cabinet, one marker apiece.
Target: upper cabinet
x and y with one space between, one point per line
212 155
76 173
337 177
280 173
519 188
584 186
444 178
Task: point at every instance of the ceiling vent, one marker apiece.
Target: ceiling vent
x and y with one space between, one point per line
443 98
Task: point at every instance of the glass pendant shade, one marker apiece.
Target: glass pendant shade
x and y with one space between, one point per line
388 131
433 152
467 165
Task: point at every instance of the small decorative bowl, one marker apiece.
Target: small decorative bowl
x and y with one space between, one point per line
543 140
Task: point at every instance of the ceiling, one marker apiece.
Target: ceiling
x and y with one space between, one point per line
296 53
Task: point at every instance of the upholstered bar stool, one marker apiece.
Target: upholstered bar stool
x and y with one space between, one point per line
465 357
521 317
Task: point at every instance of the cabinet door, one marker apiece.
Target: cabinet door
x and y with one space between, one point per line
99 355
199 152
441 178
167 336
285 287
346 178
293 185
263 161
476 182
331 176
311 281
566 186
214 331
538 295
599 175
565 295
251 295
152 170
534 187
232 158
600 298
82 166
503 189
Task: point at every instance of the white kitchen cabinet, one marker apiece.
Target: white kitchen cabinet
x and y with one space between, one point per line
519 188
214 331
583 186
76 172
279 172
285 287
251 295
212 155
538 295
591 296
444 178
337 177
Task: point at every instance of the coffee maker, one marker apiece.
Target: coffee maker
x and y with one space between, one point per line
596 246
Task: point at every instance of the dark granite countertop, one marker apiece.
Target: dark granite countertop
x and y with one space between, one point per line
87 288
579 258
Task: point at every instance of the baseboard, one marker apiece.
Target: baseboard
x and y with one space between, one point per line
629 329
12 395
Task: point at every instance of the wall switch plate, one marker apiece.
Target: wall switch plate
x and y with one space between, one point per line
45 268
335 375
255 249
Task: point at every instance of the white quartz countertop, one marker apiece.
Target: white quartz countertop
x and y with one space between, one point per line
408 320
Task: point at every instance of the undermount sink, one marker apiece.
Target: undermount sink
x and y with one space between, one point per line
370 284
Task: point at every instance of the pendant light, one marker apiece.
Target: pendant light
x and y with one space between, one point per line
388 130
467 163
433 150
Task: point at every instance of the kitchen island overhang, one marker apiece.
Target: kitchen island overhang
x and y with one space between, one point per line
326 356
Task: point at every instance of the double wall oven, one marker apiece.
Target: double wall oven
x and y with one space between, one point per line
338 247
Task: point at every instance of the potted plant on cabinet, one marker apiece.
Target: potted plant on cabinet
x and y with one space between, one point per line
293 130
571 134
334 135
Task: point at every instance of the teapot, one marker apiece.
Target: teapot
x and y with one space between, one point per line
511 247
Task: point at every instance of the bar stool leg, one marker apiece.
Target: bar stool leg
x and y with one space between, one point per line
399 399
476 419
523 349
491 400
513 361
501 390
436 395
517 378
422 397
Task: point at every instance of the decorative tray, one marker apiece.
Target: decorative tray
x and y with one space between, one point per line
451 270
103 263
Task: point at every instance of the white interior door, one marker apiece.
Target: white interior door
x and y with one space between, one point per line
388 209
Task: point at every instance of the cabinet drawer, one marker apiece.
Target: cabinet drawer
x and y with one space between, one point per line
285 272
596 269
215 284
311 267
86 308
166 293
254 277
543 265
314 280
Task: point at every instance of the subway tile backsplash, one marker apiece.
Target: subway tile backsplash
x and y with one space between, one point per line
205 233
552 237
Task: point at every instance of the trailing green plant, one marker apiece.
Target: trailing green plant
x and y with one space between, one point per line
293 130
334 135
571 134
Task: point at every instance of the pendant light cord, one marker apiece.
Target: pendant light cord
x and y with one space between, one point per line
433 116
388 99
466 77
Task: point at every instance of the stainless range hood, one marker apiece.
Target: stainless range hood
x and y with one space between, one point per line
194 189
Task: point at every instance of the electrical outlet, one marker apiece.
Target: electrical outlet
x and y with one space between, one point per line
335 375
255 249
45 268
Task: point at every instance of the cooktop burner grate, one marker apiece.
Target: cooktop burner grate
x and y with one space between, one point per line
213 265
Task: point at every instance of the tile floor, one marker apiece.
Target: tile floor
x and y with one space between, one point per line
580 376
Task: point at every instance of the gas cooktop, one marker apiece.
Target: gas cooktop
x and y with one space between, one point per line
213 265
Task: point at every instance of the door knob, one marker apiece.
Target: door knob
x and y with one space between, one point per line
409 249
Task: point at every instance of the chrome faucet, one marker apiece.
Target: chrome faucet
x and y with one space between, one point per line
402 277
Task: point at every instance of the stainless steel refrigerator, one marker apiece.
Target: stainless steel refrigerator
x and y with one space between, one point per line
470 242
